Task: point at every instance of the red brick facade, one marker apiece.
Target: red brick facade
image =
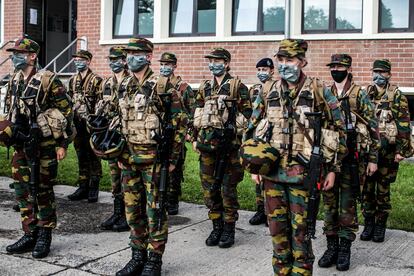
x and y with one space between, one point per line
193 67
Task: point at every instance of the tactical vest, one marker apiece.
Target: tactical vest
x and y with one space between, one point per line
109 102
83 103
262 89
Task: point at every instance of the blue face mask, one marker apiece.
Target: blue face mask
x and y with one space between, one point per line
379 79
116 66
19 61
166 71
80 65
289 73
217 69
263 76
136 63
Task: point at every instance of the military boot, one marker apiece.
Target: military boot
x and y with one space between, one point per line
42 247
227 237
153 266
331 254
214 237
121 225
81 192
260 216
344 255
368 231
24 244
93 189
172 208
379 229
135 265
118 211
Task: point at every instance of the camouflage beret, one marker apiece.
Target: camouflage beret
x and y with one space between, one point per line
258 157
265 62
117 52
340 59
219 53
83 54
140 44
6 133
168 57
25 45
292 48
382 64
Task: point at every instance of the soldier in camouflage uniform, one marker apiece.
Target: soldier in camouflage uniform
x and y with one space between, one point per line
265 71
168 62
37 208
141 110
340 202
108 106
391 108
85 88
279 118
208 123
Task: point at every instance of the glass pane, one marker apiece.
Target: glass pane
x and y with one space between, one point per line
348 14
124 17
316 15
145 17
182 16
246 15
206 12
394 14
273 15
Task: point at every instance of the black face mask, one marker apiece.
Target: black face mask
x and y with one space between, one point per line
339 76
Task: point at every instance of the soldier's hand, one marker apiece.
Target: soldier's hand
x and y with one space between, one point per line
398 157
256 178
171 168
195 147
371 168
60 153
329 181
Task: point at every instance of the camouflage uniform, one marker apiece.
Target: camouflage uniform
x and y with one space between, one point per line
286 198
85 93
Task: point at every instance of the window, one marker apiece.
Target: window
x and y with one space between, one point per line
193 17
396 16
133 17
258 17
332 16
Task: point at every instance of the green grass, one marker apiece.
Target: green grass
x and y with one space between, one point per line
402 191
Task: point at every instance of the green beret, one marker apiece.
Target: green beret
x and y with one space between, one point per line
25 45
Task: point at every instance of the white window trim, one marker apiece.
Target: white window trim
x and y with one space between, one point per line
2 22
223 26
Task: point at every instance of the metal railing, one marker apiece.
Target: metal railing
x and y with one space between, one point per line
1 48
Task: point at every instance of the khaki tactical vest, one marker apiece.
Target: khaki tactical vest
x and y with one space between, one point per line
83 103
262 89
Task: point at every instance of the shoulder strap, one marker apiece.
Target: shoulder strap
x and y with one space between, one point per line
234 87
353 95
46 81
202 87
391 92
161 84
320 99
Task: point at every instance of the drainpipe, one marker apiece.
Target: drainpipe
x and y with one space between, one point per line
287 18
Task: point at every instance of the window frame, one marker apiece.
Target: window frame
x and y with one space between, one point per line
135 29
397 30
260 22
194 25
332 29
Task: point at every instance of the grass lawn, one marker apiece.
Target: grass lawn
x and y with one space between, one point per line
402 193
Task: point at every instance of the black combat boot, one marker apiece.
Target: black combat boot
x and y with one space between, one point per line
368 231
153 266
331 254
172 208
24 244
118 211
135 265
260 216
379 229
214 237
227 237
344 255
81 192
16 208
42 247
93 189
121 225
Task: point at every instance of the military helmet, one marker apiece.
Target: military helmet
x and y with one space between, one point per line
258 157
97 123
108 144
6 133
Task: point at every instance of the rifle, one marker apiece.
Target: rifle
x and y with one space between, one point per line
314 172
164 145
226 138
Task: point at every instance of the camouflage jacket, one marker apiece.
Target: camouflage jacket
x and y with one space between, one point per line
365 113
400 113
293 172
263 88
187 95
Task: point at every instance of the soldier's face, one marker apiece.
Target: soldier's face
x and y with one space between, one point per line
291 61
83 60
385 74
168 64
265 69
339 67
147 55
218 61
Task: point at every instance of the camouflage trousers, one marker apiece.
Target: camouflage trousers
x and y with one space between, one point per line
224 201
259 194
340 207
140 196
176 177
376 199
89 164
39 211
115 171
286 206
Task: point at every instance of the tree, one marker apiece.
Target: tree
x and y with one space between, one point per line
274 19
386 17
315 19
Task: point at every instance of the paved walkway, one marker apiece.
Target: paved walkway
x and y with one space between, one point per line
80 248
